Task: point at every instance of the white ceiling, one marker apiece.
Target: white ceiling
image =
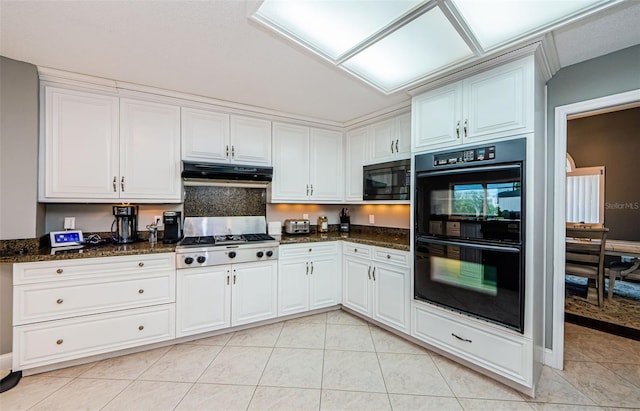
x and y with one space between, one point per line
210 48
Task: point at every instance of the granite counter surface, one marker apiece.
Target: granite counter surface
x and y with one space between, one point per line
389 240
89 251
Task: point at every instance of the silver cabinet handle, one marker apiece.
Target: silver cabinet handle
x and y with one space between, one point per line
374 274
227 155
122 184
462 339
115 181
233 152
227 277
307 273
397 151
466 125
388 256
369 273
59 301
234 276
307 189
391 146
311 189
458 130
311 267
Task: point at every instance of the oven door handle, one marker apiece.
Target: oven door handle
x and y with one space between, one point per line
499 167
480 246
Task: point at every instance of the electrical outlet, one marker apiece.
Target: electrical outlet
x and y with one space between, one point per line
372 219
305 216
69 223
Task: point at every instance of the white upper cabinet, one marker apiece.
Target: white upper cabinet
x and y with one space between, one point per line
149 150
496 103
213 137
390 139
308 164
80 151
205 136
99 148
356 154
250 140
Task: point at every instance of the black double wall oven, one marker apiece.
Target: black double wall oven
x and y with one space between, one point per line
469 231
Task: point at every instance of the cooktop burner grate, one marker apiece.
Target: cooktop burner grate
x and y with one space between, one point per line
204 240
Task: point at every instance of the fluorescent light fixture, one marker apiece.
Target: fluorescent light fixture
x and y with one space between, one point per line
333 27
418 48
494 22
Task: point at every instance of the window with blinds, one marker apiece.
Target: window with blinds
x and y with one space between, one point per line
585 194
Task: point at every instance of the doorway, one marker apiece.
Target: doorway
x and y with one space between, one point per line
562 115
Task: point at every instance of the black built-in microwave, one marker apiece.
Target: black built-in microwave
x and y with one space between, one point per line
387 181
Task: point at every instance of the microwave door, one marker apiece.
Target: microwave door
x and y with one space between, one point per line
379 182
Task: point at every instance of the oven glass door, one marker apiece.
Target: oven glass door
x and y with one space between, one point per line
478 203
482 280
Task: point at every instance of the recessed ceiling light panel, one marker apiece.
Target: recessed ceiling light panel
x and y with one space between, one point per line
333 27
494 22
422 46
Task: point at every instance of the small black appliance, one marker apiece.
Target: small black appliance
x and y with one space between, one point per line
172 221
124 228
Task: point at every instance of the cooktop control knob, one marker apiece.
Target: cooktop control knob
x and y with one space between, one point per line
269 253
201 259
232 254
260 254
188 260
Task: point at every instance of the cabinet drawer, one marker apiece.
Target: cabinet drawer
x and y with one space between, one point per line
307 249
497 351
64 299
86 268
389 256
55 341
357 250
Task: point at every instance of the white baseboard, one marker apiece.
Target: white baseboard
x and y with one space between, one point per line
6 361
550 359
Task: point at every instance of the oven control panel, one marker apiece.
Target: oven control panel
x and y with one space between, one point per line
465 156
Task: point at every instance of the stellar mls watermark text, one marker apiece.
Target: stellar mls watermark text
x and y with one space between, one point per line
622 206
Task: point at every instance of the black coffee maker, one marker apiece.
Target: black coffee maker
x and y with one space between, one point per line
172 221
125 225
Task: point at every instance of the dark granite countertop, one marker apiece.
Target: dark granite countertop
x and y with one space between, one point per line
394 240
103 250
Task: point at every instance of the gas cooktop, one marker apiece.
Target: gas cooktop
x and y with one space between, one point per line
213 240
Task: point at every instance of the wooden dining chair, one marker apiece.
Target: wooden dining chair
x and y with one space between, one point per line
585 255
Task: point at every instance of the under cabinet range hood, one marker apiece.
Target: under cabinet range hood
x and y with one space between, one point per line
226 174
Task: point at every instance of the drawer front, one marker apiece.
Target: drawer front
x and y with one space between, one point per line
307 250
357 250
389 256
55 341
504 354
86 268
64 299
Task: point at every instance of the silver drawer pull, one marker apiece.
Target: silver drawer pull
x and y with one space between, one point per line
59 271
388 256
140 291
355 250
59 301
60 341
141 327
462 339
140 264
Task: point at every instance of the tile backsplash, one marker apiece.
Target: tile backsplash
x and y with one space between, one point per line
213 201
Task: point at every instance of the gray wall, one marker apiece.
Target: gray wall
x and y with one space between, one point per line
20 214
603 76
612 140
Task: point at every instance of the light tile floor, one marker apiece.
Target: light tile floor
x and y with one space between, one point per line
329 361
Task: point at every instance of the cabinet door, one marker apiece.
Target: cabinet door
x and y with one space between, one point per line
390 296
356 278
205 136
203 300
323 278
250 140
499 102
291 163
293 286
80 146
383 140
254 292
436 118
355 159
326 166
403 136
149 151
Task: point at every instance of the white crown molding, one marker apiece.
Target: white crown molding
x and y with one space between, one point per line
379 115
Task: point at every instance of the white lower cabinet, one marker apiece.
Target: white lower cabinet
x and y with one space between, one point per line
376 283
70 309
213 298
308 277
500 351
